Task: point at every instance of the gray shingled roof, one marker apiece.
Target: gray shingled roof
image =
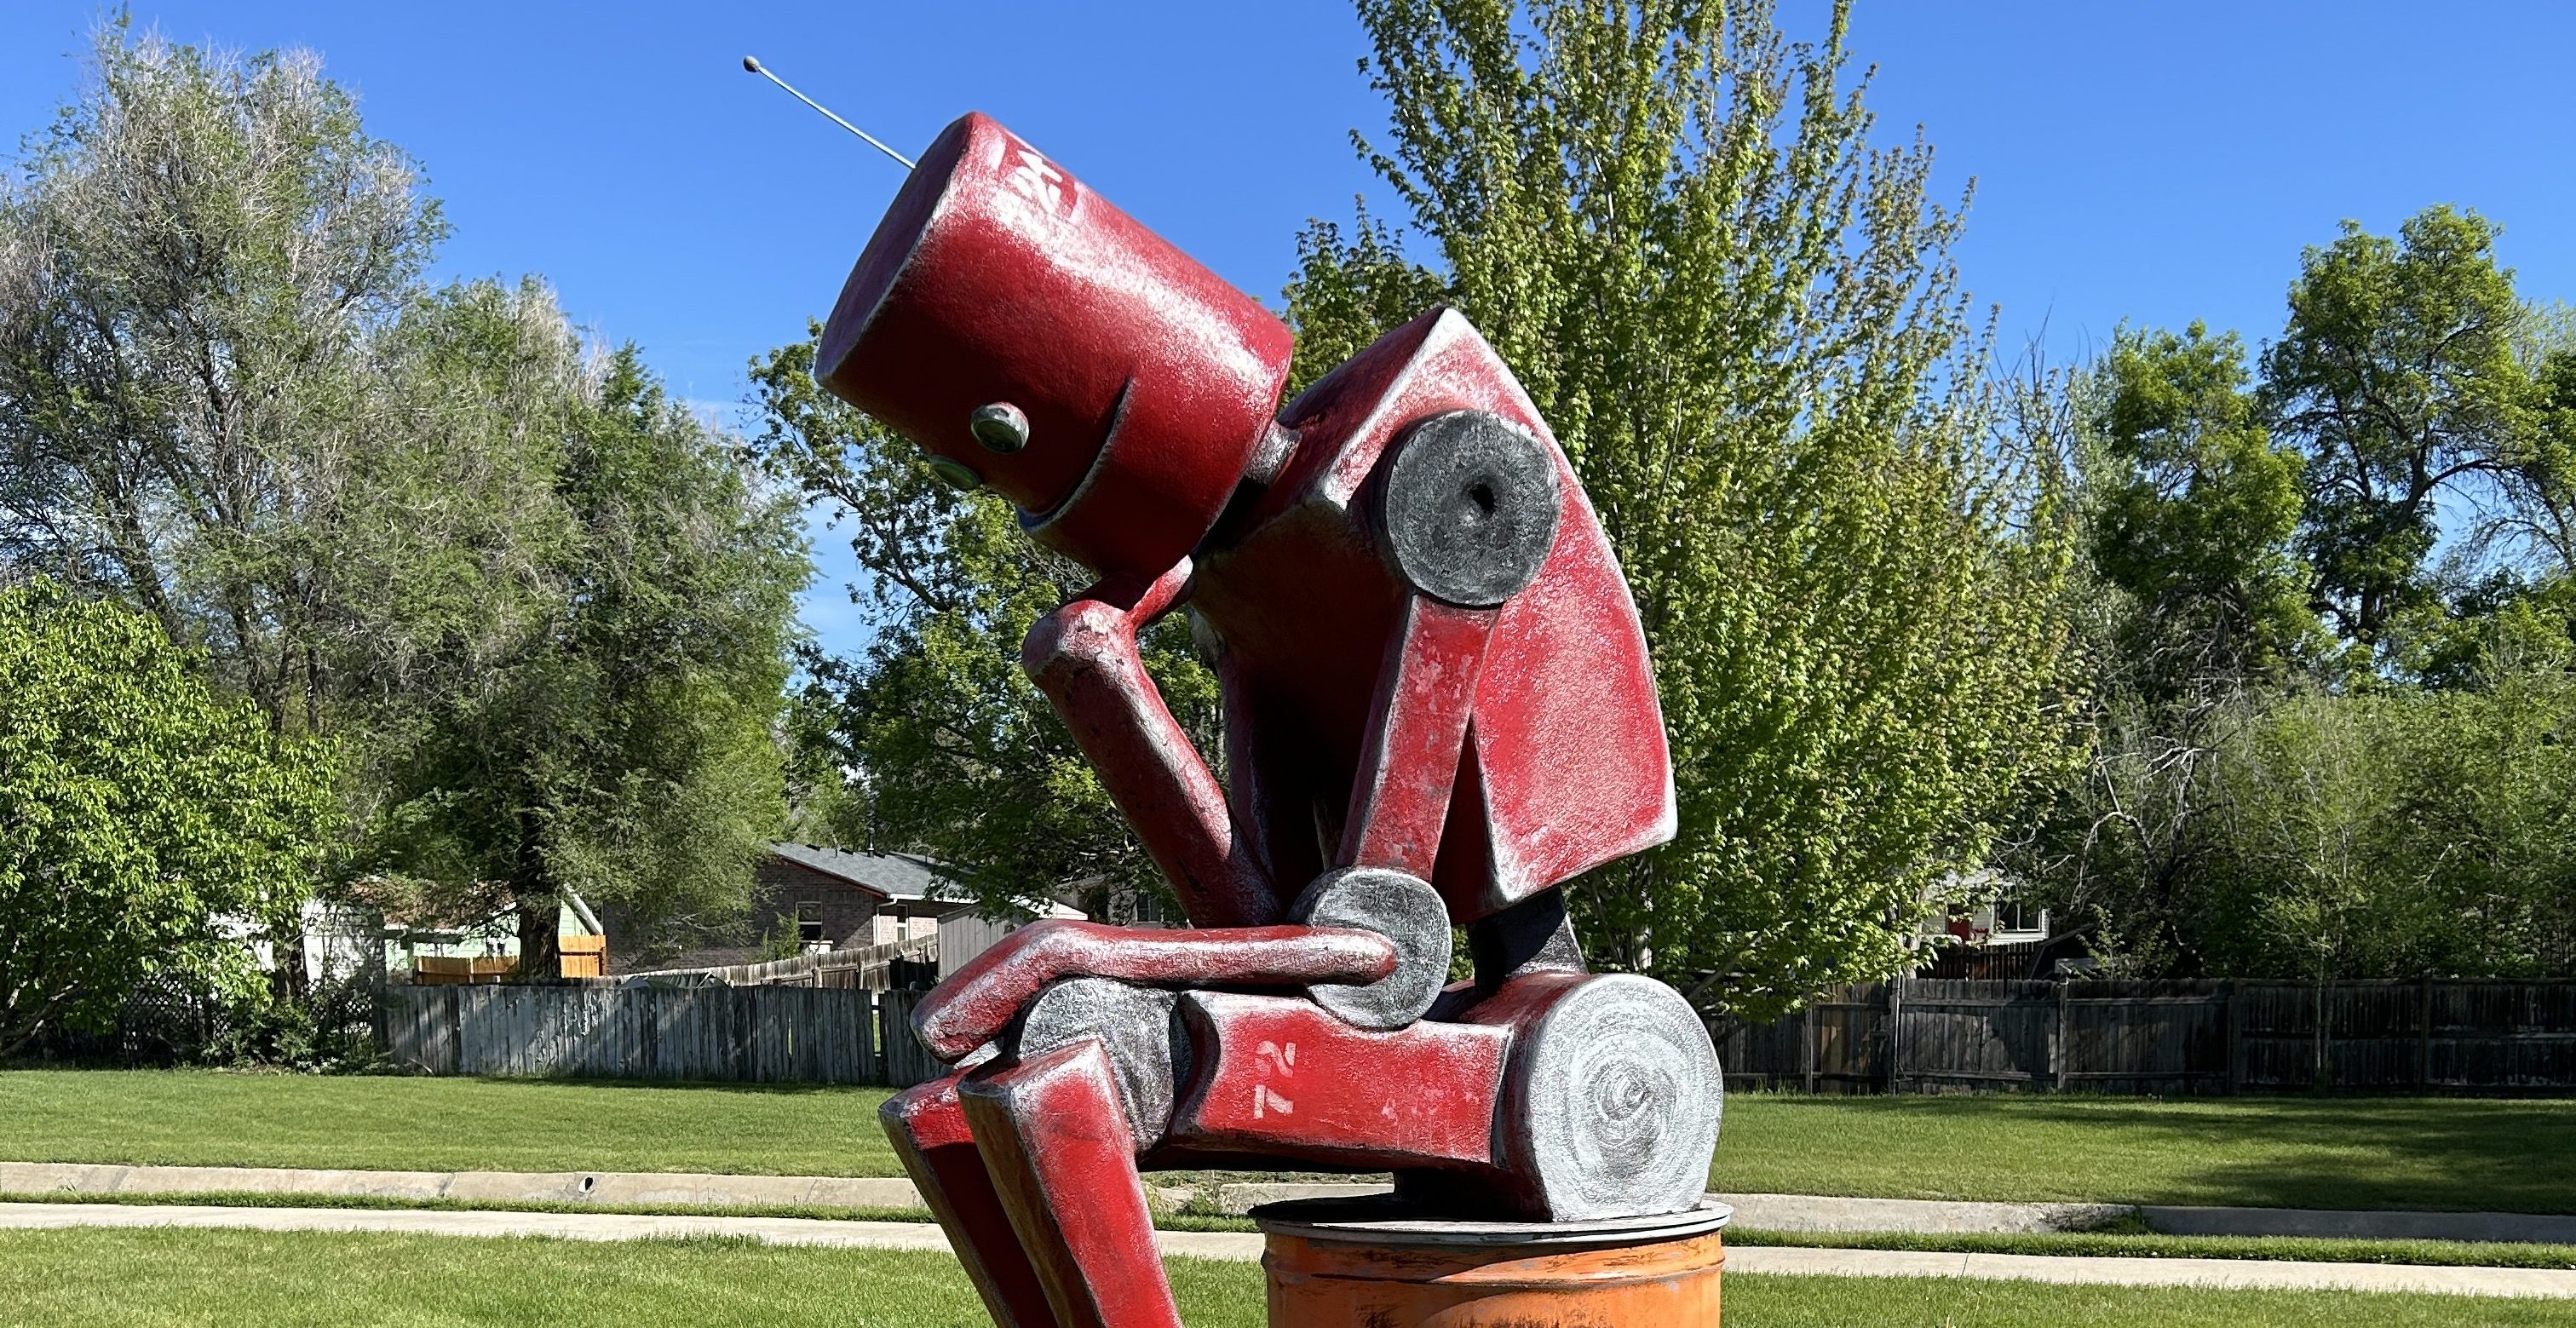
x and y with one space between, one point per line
897 875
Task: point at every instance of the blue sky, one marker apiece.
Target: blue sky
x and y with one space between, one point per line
2155 163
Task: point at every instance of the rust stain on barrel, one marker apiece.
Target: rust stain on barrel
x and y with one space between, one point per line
1643 1284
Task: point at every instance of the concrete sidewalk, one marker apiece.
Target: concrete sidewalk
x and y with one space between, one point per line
562 1226
1246 1248
606 1188
1760 1212
1822 1213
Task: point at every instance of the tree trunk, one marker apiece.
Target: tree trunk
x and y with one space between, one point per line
540 952
532 893
288 982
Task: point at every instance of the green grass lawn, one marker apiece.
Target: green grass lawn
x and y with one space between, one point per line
2460 1154
2063 1244
285 1280
384 1123
2436 1153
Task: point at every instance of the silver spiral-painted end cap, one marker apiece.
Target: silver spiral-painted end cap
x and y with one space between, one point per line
1613 1098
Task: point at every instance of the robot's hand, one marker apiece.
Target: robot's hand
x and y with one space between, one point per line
982 999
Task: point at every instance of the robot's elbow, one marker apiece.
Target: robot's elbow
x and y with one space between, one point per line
1077 638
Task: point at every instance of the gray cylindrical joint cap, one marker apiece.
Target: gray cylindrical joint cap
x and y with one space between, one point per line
1468 508
1400 907
1135 1027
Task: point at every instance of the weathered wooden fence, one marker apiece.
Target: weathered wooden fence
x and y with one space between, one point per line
1932 1035
1919 1035
896 964
739 1034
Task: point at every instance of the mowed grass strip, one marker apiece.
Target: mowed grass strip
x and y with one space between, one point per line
2456 1154
2443 1154
291 1280
411 1123
2435 1253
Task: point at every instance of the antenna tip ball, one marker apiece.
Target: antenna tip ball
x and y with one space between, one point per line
751 64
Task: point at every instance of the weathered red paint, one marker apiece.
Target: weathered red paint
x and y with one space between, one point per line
1055 1144
1494 751
1148 382
1282 1078
1417 730
928 1126
1565 765
1084 657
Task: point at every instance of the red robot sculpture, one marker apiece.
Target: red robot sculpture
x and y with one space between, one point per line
1438 708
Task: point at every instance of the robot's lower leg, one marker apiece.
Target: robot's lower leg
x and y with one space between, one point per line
1055 1139
931 1136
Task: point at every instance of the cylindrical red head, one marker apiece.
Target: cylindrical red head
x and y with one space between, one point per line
1011 322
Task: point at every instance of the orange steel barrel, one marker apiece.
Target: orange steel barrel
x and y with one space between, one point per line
1337 1263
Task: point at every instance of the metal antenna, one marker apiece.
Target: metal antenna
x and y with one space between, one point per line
751 64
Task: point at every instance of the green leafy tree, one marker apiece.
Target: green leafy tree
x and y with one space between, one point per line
147 829
2192 512
2543 487
2483 628
193 269
2400 373
2490 814
620 741
826 803
2190 596
544 612
1742 321
954 753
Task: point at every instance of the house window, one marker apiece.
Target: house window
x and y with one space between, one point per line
1146 907
2017 922
809 921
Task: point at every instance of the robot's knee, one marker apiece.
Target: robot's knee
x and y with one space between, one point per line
1135 1026
925 1116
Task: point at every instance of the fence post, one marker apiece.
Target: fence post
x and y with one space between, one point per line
871 1043
454 999
2424 1049
2235 1010
1807 1043
2061 1046
2325 1033
1895 1035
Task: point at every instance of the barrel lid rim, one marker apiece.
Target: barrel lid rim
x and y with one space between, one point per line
1384 1220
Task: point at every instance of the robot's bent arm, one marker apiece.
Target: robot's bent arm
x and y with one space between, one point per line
1084 657
975 1005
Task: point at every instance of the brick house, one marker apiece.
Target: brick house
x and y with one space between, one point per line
821 899
832 898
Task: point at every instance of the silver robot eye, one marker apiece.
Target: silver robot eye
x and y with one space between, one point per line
1000 426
